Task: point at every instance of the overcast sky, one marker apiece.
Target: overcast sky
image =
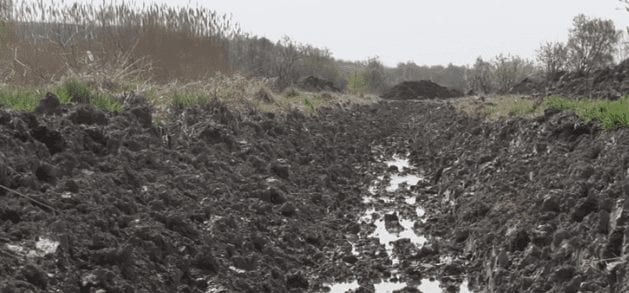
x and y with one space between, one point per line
423 31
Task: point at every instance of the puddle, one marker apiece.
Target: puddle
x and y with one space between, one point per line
397 180
425 286
354 250
44 246
420 212
399 162
386 287
343 287
404 231
402 164
428 286
237 270
465 287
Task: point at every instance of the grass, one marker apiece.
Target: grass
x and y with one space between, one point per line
237 92
611 114
183 100
20 99
71 91
500 107
107 103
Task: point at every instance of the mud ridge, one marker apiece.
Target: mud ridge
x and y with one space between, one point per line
223 201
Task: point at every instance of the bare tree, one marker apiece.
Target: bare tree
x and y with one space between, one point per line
553 57
592 43
508 70
622 48
375 75
480 76
286 61
6 10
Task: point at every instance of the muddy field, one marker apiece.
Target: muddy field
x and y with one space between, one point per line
397 196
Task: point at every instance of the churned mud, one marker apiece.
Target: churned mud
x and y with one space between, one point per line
397 196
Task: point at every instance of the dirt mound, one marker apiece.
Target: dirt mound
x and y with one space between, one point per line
528 86
610 83
542 203
316 84
419 90
214 201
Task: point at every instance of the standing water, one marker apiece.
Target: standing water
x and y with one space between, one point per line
395 184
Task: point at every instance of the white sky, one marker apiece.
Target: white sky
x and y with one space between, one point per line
423 31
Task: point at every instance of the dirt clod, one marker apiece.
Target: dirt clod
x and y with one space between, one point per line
88 115
50 104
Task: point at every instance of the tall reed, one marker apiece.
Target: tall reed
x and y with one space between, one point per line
49 39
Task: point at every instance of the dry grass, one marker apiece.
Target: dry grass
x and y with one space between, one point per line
500 107
46 40
176 57
242 94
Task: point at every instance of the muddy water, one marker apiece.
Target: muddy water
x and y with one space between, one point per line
389 194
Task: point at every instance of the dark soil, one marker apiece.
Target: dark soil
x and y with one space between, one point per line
609 83
221 201
316 84
529 86
419 90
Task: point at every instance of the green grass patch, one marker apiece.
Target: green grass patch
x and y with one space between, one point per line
611 114
309 104
73 90
20 99
107 103
185 100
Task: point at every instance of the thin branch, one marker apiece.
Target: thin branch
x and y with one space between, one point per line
38 202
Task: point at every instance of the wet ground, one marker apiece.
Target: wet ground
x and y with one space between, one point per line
397 196
389 198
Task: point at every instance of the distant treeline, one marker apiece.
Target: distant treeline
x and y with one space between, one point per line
42 42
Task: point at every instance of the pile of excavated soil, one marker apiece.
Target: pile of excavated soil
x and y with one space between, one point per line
216 201
536 205
316 84
528 86
220 201
609 83
420 90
